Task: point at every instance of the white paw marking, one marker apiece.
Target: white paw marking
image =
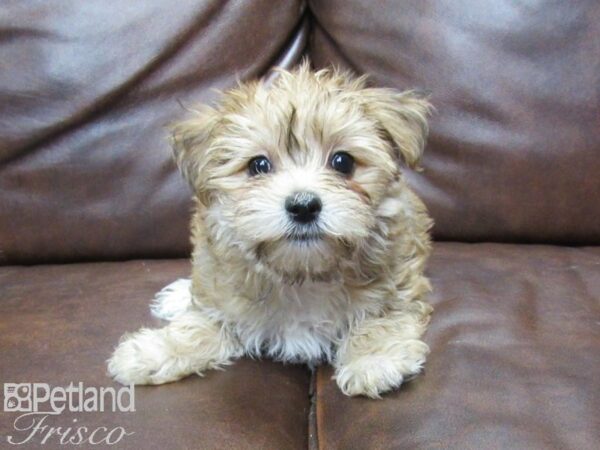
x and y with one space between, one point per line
374 375
143 358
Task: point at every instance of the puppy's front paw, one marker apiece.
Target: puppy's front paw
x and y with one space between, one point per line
143 358
375 374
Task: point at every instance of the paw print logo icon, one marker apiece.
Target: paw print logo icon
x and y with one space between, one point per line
17 397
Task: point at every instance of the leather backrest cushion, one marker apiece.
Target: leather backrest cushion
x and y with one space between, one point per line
86 90
514 148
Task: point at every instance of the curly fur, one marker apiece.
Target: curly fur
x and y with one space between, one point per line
351 296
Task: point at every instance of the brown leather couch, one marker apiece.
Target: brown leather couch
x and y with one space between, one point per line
94 216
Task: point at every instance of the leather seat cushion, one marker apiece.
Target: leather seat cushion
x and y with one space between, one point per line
514 359
59 324
514 364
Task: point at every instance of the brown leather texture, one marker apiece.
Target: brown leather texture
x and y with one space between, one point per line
514 150
86 92
514 359
59 323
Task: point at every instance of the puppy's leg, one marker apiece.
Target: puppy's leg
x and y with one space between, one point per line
173 300
380 353
191 343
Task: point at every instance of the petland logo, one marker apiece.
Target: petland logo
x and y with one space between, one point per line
38 401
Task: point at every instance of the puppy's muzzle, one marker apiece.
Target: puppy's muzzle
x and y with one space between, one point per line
303 207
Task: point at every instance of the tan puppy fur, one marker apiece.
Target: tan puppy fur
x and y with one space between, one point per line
346 288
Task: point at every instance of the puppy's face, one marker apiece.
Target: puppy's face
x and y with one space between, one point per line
292 175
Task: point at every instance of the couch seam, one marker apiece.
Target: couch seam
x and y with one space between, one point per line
316 24
313 434
300 36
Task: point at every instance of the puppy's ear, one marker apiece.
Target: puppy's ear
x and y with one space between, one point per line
402 117
191 140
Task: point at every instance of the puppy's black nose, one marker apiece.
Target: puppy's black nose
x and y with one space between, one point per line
303 207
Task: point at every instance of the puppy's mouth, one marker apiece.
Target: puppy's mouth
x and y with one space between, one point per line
305 234
305 237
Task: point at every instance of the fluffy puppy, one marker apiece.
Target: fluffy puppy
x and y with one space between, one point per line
308 244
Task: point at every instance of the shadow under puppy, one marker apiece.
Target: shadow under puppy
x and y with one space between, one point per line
308 244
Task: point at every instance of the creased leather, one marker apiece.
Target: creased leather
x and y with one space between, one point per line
514 149
86 93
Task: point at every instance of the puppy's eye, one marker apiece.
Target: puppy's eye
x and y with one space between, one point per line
342 162
260 164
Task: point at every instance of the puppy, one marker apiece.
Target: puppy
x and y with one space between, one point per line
309 247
